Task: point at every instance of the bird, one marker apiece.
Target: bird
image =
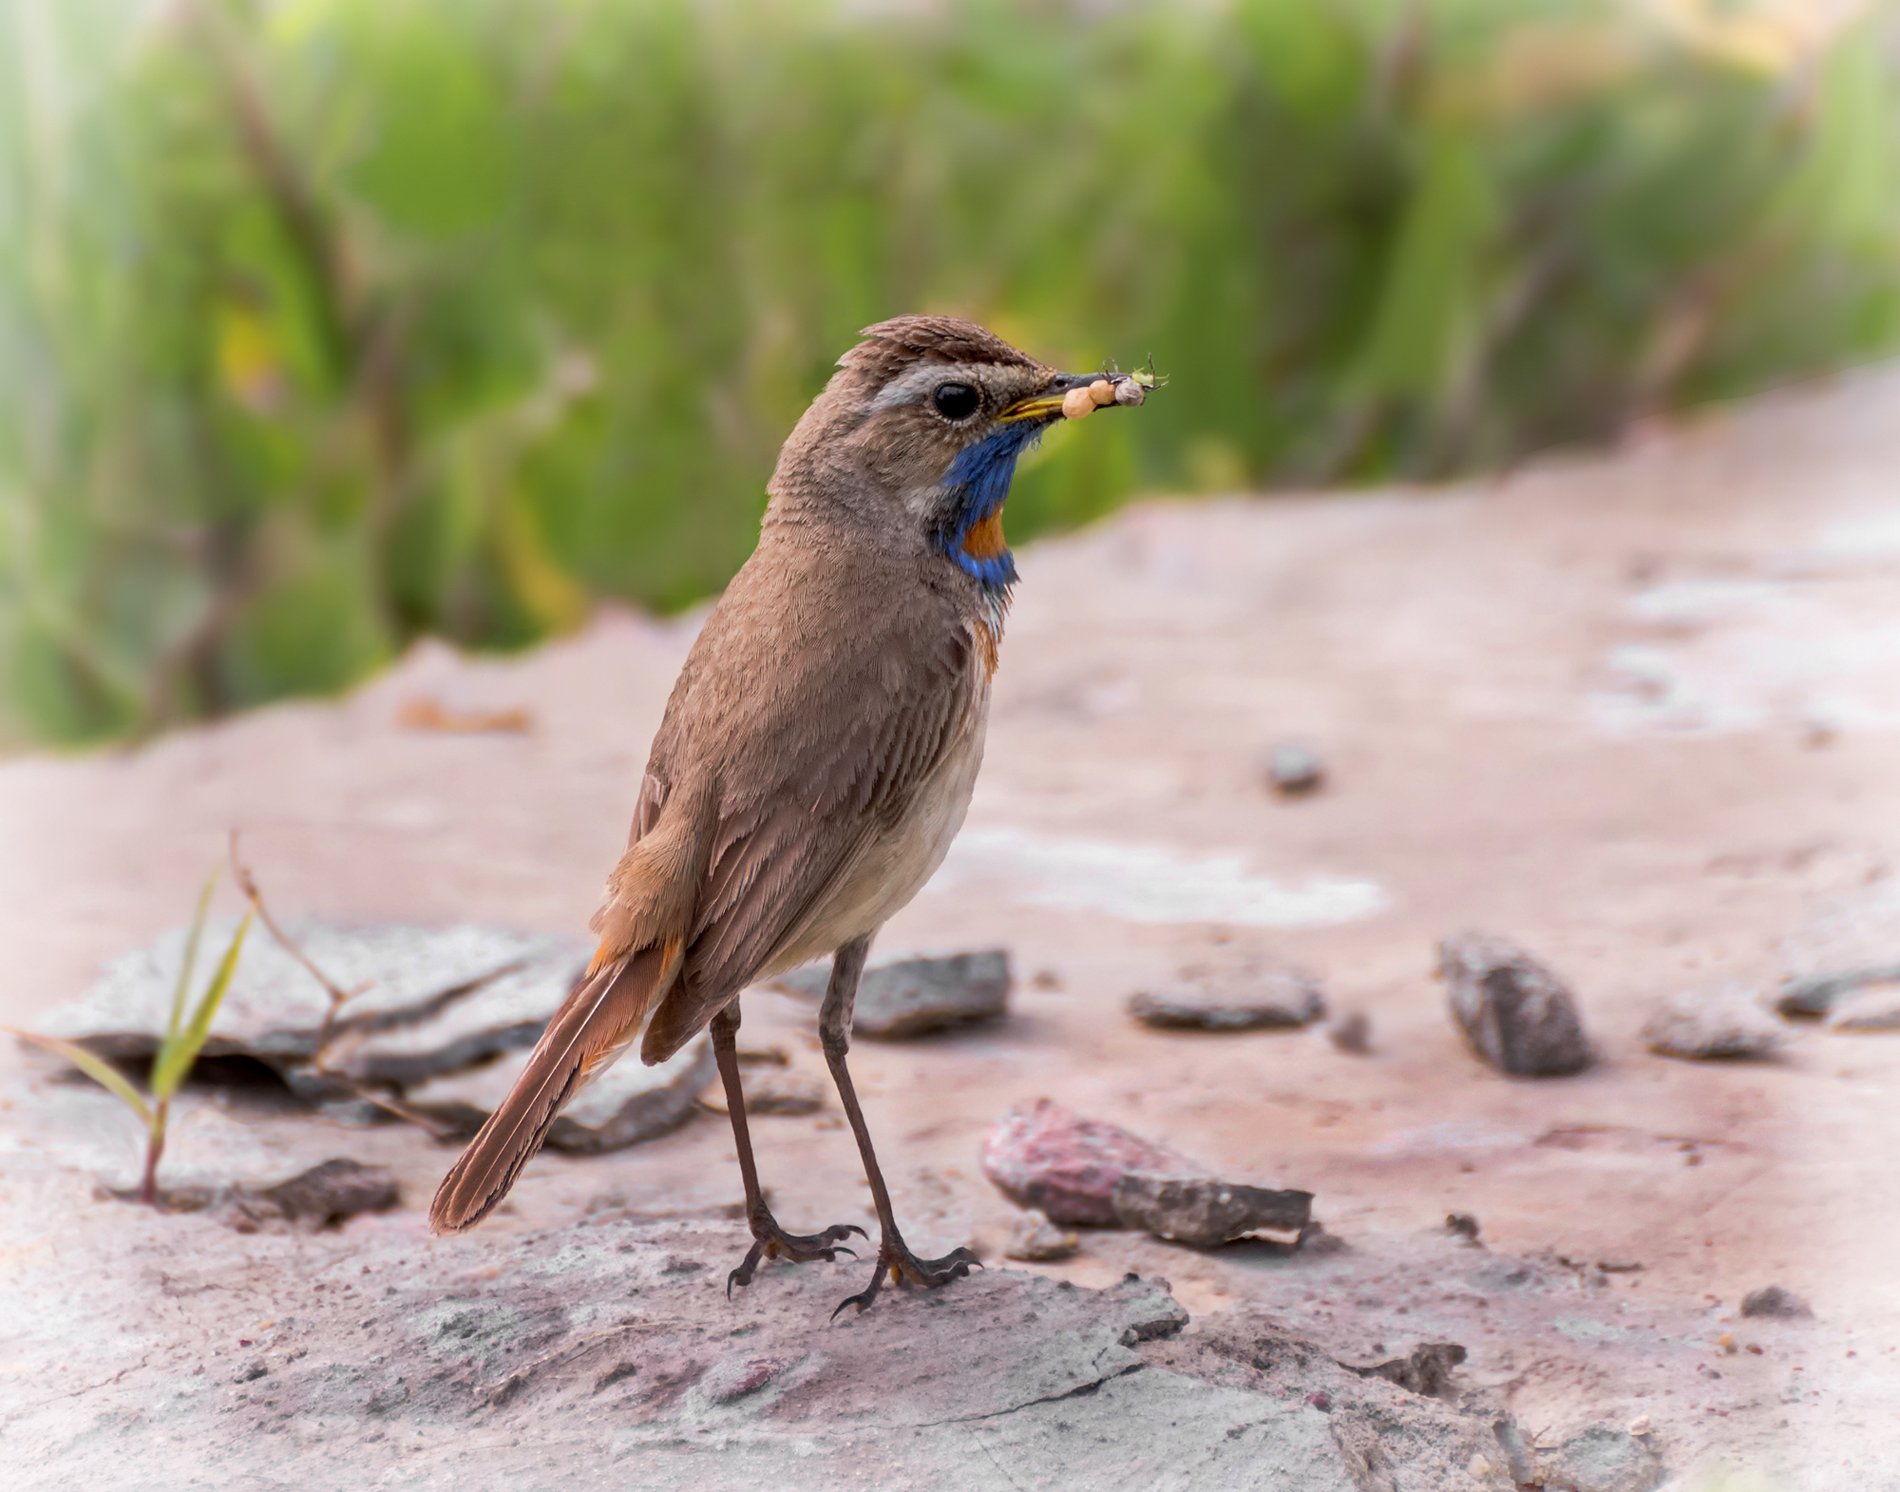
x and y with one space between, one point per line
816 756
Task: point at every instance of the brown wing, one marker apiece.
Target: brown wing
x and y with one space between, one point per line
814 787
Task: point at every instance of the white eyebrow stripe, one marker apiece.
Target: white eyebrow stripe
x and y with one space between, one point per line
913 385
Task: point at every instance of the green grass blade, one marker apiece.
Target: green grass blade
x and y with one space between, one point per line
181 1048
93 1066
190 964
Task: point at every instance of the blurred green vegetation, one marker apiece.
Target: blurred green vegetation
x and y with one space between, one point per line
326 323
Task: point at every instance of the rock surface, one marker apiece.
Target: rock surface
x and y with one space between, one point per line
463 1361
1721 1022
916 996
1601 1458
1514 1012
1040 1155
1247 1000
1205 1213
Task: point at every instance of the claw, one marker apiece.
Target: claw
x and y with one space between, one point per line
905 1268
769 1241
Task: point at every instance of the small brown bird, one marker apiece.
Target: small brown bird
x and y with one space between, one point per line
818 751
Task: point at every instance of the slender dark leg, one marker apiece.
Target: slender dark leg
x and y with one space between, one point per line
769 1240
893 1257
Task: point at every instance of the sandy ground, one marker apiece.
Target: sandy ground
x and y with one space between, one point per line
1640 713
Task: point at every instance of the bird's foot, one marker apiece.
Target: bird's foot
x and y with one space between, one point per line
770 1241
896 1262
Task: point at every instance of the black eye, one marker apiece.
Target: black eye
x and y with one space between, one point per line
956 401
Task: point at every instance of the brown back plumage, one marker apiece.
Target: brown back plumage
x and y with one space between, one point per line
838 680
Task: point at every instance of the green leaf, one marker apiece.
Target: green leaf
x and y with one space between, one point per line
181 1048
93 1066
191 956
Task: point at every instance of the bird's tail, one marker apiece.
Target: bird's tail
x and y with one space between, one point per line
593 1026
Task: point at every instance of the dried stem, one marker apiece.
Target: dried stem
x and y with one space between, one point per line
333 1018
339 997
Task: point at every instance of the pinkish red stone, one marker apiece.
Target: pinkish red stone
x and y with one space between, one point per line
1041 1155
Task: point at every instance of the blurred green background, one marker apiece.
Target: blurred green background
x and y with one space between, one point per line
328 323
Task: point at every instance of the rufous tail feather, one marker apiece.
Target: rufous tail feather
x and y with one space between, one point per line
593 1026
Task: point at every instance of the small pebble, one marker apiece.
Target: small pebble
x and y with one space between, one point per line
1462 1225
1351 1033
1776 1303
1036 1240
1294 770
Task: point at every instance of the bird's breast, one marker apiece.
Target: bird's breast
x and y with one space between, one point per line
896 863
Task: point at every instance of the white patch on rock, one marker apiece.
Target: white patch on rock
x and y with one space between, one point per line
1151 883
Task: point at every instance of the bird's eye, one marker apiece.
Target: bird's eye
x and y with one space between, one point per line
956 401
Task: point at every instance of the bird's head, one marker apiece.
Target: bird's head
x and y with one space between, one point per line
918 432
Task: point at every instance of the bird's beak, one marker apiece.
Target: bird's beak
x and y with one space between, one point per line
1046 403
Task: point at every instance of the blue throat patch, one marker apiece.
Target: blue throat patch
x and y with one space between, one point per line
978 481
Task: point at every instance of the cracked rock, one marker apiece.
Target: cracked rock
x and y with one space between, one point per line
1514 1012
915 996
427 1001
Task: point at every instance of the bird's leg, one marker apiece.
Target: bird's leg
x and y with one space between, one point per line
893 1257
769 1240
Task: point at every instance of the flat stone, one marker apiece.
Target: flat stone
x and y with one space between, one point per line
1040 1155
915 996
785 1093
1873 1006
327 1195
431 1000
1036 1240
1812 996
775 1091
1776 1303
1203 1212
1840 945
1242 1000
1721 1022
1515 1013
628 1103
